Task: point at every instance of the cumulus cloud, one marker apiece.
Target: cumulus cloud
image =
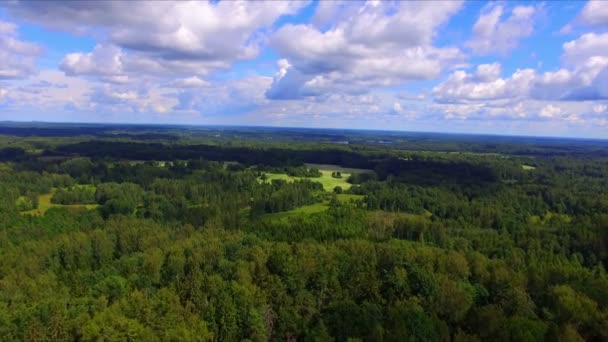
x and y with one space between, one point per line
550 111
50 89
17 57
493 33
162 35
104 61
488 72
378 44
574 93
369 110
583 77
111 64
600 108
521 110
225 99
119 100
352 62
397 107
594 14
485 84
190 82
585 47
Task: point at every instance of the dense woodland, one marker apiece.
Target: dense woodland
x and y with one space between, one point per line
153 234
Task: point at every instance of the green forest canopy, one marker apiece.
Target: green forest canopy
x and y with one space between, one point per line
161 235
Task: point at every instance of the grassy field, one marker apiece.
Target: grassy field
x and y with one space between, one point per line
44 203
347 198
328 182
303 210
528 167
312 208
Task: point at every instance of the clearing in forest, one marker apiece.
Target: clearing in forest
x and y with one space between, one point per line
312 208
326 179
44 203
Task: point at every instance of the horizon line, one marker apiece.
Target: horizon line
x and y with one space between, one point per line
307 128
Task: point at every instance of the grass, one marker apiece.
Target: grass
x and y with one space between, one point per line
272 176
44 203
303 210
346 198
85 186
528 167
5 167
312 209
328 182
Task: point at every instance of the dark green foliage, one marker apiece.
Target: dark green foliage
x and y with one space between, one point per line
284 196
76 195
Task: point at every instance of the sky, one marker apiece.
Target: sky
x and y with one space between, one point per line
516 68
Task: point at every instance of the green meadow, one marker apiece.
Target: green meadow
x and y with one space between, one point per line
326 179
44 202
312 208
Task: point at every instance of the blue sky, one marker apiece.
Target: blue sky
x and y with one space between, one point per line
529 68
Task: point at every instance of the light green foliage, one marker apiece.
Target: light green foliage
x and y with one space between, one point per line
44 203
326 179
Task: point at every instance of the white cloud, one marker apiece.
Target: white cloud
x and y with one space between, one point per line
224 98
350 65
583 77
585 47
600 108
190 82
493 36
162 36
17 57
127 95
531 110
397 107
595 14
104 61
49 89
569 94
550 111
488 72
112 64
378 44
484 84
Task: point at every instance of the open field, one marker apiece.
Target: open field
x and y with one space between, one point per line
528 167
303 210
312 208
44 203
328 182
347 198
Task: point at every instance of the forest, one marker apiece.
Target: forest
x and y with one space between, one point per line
169 233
